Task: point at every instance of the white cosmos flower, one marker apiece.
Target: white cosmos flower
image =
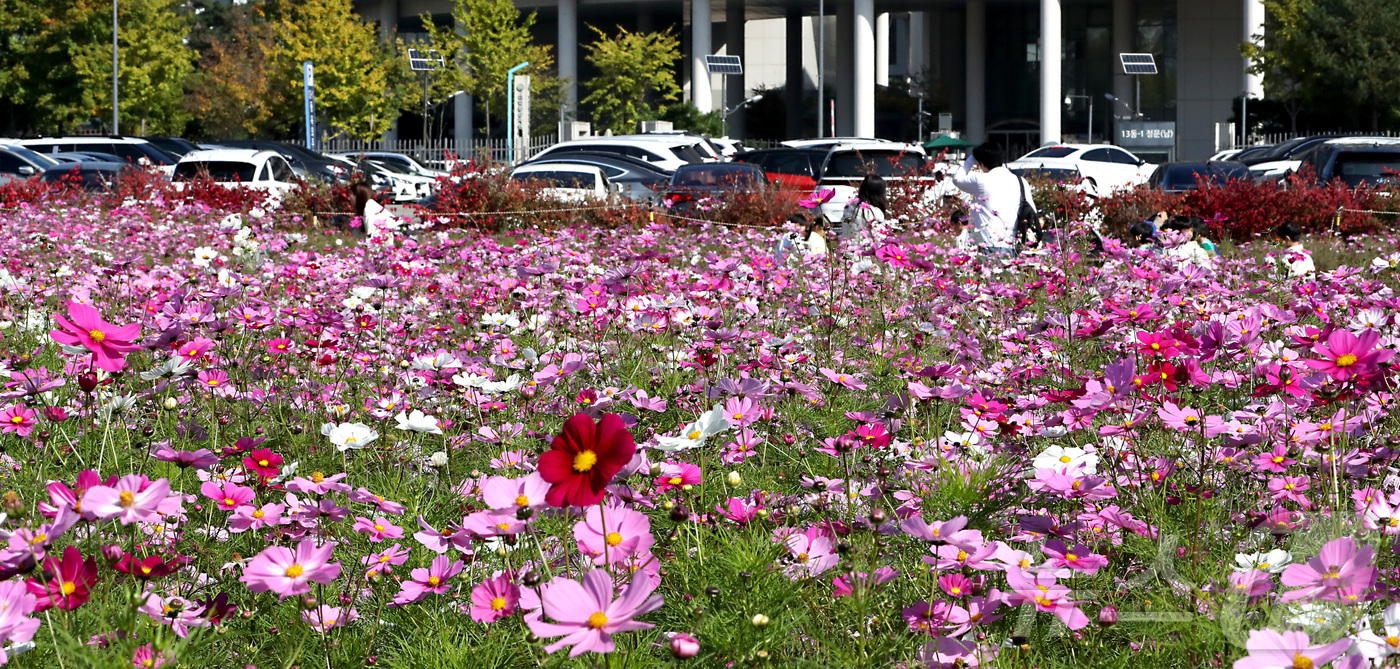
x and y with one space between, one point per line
1274 561
497 387
347 436
468 380
1066 457
1377 647
710 423
418 422
204 255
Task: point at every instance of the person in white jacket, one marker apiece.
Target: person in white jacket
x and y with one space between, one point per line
997 195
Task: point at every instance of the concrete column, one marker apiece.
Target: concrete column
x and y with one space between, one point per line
864 66
735 88
700 17
976 70
388 25
917 58
1051 92
794 79
568 56
1123 34
845 69
462 119
882 49
1253 32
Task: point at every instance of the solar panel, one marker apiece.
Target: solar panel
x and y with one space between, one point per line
419 61
1138 63
724 64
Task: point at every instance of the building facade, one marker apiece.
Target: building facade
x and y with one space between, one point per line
1019 72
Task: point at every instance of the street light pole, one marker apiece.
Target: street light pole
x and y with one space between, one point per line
1090 98
821 58
116 121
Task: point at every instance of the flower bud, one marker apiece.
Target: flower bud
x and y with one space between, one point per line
113 553
759 620
684 646
170 403
1108 616
439 459
735 479
87 381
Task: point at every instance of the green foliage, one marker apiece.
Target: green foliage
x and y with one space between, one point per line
155 63
632 66
229 93
1318 47
687 117
493 38
361 81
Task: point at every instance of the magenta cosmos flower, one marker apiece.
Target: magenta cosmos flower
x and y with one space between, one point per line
109 343
1346 356
1340 565
1290 650
587 615
17 419
288 572
430 581
494 598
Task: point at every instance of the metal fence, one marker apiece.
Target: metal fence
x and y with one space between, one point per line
1263 139
439 153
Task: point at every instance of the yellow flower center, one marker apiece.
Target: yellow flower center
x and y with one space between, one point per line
498 603
97 335
1071 557
17 420
294 571
262 463
694 434
38 539
69 588
521 500
1342 361
1043 601
674 480
259 513
597 620
1065 459
803 558
127 499
1278 459
1393 641
956 590
378 527
318 477
962 555
584 461
212 382
614 538
1301 661
434 581
228 501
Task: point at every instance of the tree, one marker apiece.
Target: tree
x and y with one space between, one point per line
1315 48
154 65
361 82
631 66
494 37
229 94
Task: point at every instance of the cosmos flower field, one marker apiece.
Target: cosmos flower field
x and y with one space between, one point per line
235 440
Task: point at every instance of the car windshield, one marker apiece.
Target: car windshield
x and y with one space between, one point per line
1057 174
715 176
557 178
1186 177
690 154
1051 152
390 167
858 164
1369 167
34 157
218 170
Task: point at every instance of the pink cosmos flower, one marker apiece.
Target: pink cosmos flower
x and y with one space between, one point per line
378 529
587 615
1290 650
227 496
17 419
850 381
739 510
318 484
385 561
1252 583
1290 488
288 572
147 657
845 586
199 459
741 411
109 343
979 611
1080 558
69 581
1179 418
1155 343
508 496
430 581
248 517
817 198
1275 460
16 603
812 553
325 618
627 533
494 598
438 541
1346 356
1047 596
677 474
1339 565
951 532
133 499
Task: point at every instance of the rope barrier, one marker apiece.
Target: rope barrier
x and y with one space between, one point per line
1337 221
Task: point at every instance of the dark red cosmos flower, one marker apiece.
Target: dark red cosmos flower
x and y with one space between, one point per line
152 567
264 463
66 584
584 457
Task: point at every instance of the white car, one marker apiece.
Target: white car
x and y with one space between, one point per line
238 168
666 152
130 149
847 164
394 160
568 182
396 181
1108 167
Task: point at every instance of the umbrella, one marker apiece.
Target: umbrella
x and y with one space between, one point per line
948 142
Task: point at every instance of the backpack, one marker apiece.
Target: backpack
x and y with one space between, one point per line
1027 228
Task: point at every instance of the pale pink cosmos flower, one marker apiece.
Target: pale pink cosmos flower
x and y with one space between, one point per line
1047 596
288 572
227 496
1079 558
587 615
494 598
1290 650
387 506
133 499
623 531
16 603
384 562
430 581
378 529
507 496
325 618
249 517
812 553
1340 565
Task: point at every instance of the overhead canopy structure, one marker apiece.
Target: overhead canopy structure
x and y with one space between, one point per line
948 142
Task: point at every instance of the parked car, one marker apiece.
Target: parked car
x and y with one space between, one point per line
569 182
636 179
388 182
395 159
846 165
1227 154
709 148
825 143
787 167
1109 168
84 157
1356 161
693 183
1285 158
238 168
1183 176
130 149
1253 154
1064 175
17 162
175 146
665 152
308 163
89 176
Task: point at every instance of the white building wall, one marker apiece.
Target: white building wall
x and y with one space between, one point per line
1209 71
